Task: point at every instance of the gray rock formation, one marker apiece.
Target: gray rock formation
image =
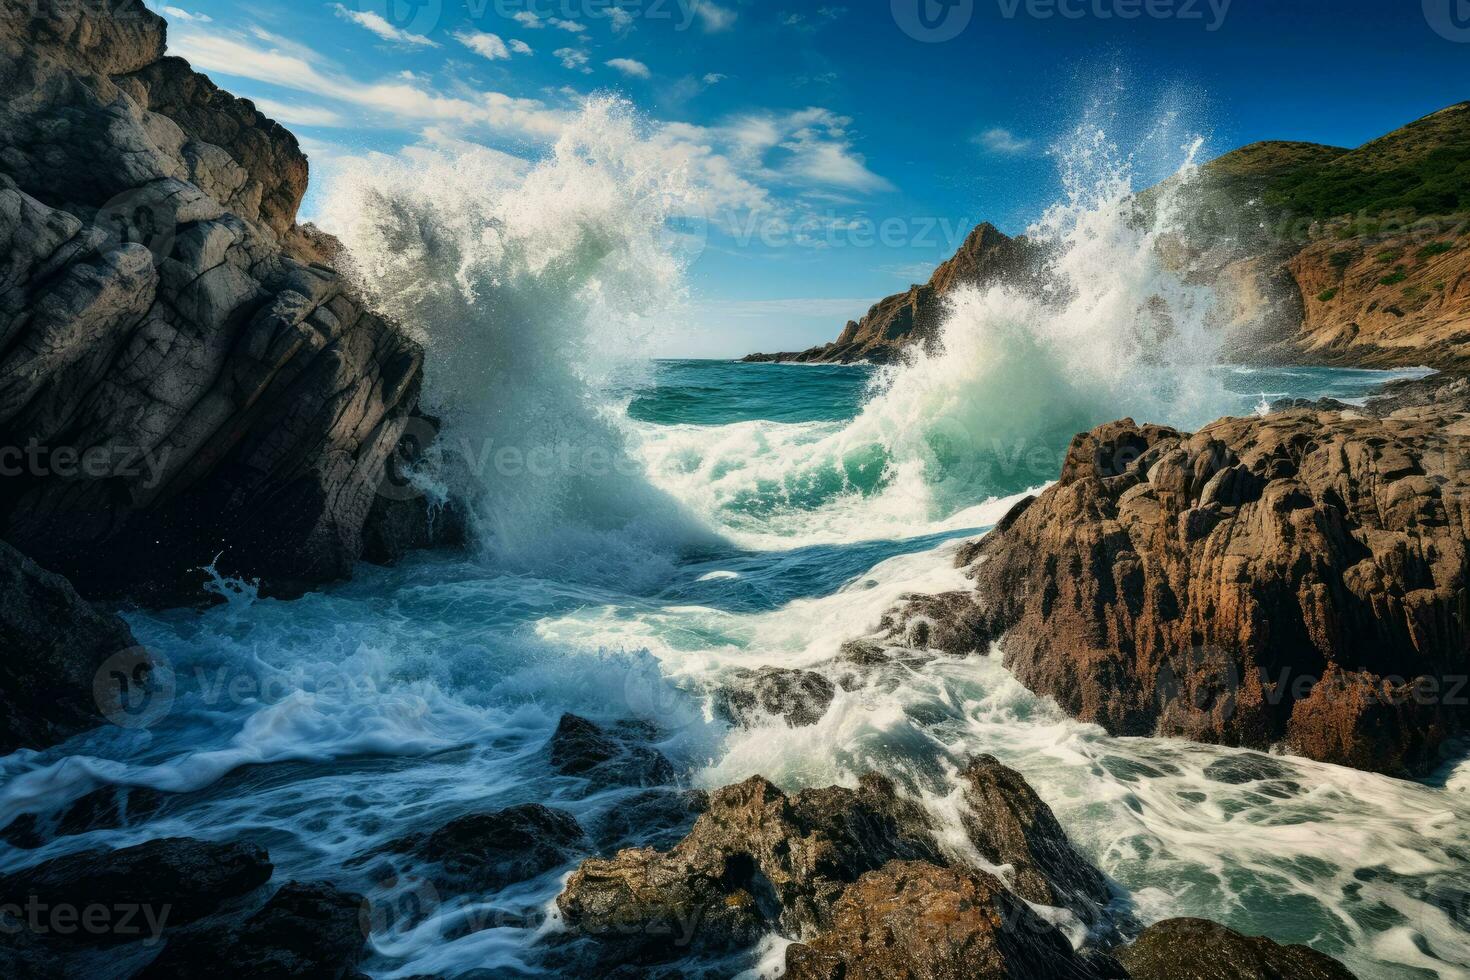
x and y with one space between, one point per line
181 373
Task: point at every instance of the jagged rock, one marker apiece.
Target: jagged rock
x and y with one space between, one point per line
54 645
1010 825
581 748
950 623
174 882
305 930
1209 585
801 697
915 921
163 320
1194 949
755 860
913 318
487 851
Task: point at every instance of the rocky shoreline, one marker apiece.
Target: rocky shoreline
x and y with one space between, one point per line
1297 580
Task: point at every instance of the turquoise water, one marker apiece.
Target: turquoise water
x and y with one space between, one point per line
325 727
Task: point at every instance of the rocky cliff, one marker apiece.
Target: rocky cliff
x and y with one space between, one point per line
1320 255
913 318
180 375
1301 579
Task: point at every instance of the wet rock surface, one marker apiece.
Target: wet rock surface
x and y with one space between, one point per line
800 697
179 879
916 921
54 644
1194 949
304 930
1300 578
1010 825
487 851
618 756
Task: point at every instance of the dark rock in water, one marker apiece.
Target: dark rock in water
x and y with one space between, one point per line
1299 578
581 748
404 517
1010 825
305 931
54 646
801 697
491 850
1241 769
655 818
178 880
108 808
193 377
951 623
755 860
1194 949
915 921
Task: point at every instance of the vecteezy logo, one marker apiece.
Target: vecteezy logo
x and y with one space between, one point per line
134 689
409 16
144 216
398 479
933 21
1449 18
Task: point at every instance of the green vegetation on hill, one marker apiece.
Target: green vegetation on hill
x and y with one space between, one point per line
1423 169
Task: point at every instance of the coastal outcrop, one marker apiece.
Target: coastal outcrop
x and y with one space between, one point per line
860 879
1299 579
913 318
181 374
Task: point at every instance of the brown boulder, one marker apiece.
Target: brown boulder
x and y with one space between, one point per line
915 921
1204 585
1194 949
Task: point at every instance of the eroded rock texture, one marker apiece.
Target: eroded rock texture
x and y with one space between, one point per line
1298 578
182 375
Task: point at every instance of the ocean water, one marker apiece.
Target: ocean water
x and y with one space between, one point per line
649 527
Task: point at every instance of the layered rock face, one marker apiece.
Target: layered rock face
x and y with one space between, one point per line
1300 578
179 374
913 318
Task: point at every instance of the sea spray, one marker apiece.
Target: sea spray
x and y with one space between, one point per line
534 287
1103 329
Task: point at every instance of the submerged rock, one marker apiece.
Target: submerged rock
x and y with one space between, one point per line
650 818
54 646
487 851
1195 949
107 808
581 748
915 921
1300 578
800 697
304 930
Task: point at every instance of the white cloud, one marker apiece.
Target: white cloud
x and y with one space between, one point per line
300 115
375 23
290 66
808 147
178 13
572 26
714 17
528 20
631 68
622 21
714 78
488 46
521 47
999 140
573 60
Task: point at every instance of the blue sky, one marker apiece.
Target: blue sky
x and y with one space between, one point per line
860 139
